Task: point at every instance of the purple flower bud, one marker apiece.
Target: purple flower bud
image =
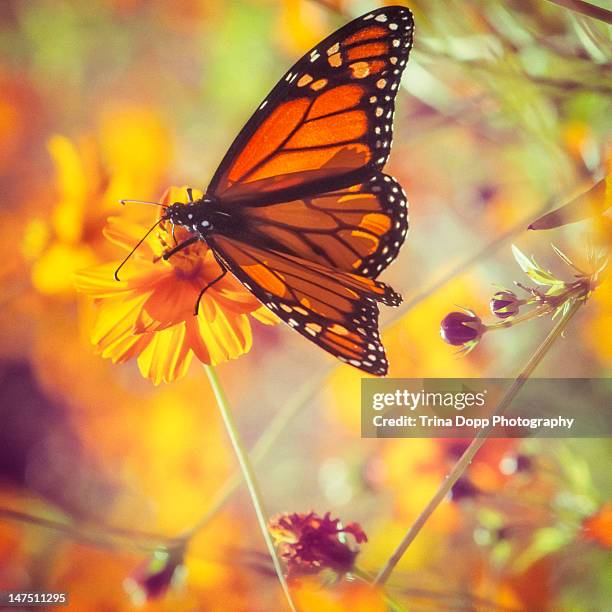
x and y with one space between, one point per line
464 489
505 304
154 577
458 328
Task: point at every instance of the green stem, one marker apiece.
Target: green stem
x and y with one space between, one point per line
249 477
105 537
474 446
260 449
546 305
527 316
586 8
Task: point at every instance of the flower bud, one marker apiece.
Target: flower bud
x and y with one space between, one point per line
464 489
155 576
505 304
459 328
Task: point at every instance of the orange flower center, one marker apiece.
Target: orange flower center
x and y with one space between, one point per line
188 262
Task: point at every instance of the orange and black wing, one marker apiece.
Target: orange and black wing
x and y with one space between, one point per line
328 123
336 310
356 229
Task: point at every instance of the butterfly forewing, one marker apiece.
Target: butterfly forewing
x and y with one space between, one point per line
328 122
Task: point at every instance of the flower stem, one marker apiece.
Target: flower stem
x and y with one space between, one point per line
249 477
465 459
586 8
262 446
105 537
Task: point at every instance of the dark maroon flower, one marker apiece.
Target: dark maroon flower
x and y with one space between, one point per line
153 578
455 448
464 489
487 192
459 328
309 543
510 531
505 304
523 463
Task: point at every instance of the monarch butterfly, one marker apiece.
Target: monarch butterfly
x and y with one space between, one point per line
299 211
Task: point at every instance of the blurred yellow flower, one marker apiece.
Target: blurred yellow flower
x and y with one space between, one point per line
301 24
354 596
137 146
61 245
150 313
132 148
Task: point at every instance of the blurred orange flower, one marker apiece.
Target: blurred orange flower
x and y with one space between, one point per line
149 314
353 596
598 526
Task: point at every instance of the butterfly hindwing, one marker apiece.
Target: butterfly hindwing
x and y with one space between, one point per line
356 229
338 311
328 122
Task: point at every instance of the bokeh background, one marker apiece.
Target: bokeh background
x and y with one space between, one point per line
504 110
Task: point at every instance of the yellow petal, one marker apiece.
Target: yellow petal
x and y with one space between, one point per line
265 315
53 273
196 340
167 356
227 336
232 332
126 347
126 234
72 185
115 318
99 281
36 236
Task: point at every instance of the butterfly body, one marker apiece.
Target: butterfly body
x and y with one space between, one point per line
299 210
195 217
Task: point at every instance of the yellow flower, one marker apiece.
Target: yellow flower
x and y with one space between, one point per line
92 172
58 246
149 314
353 596
300 25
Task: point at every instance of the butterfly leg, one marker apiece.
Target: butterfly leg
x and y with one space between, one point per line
179 247
208 286
190 194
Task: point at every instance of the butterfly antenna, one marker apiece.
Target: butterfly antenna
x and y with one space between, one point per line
137 245
124 202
